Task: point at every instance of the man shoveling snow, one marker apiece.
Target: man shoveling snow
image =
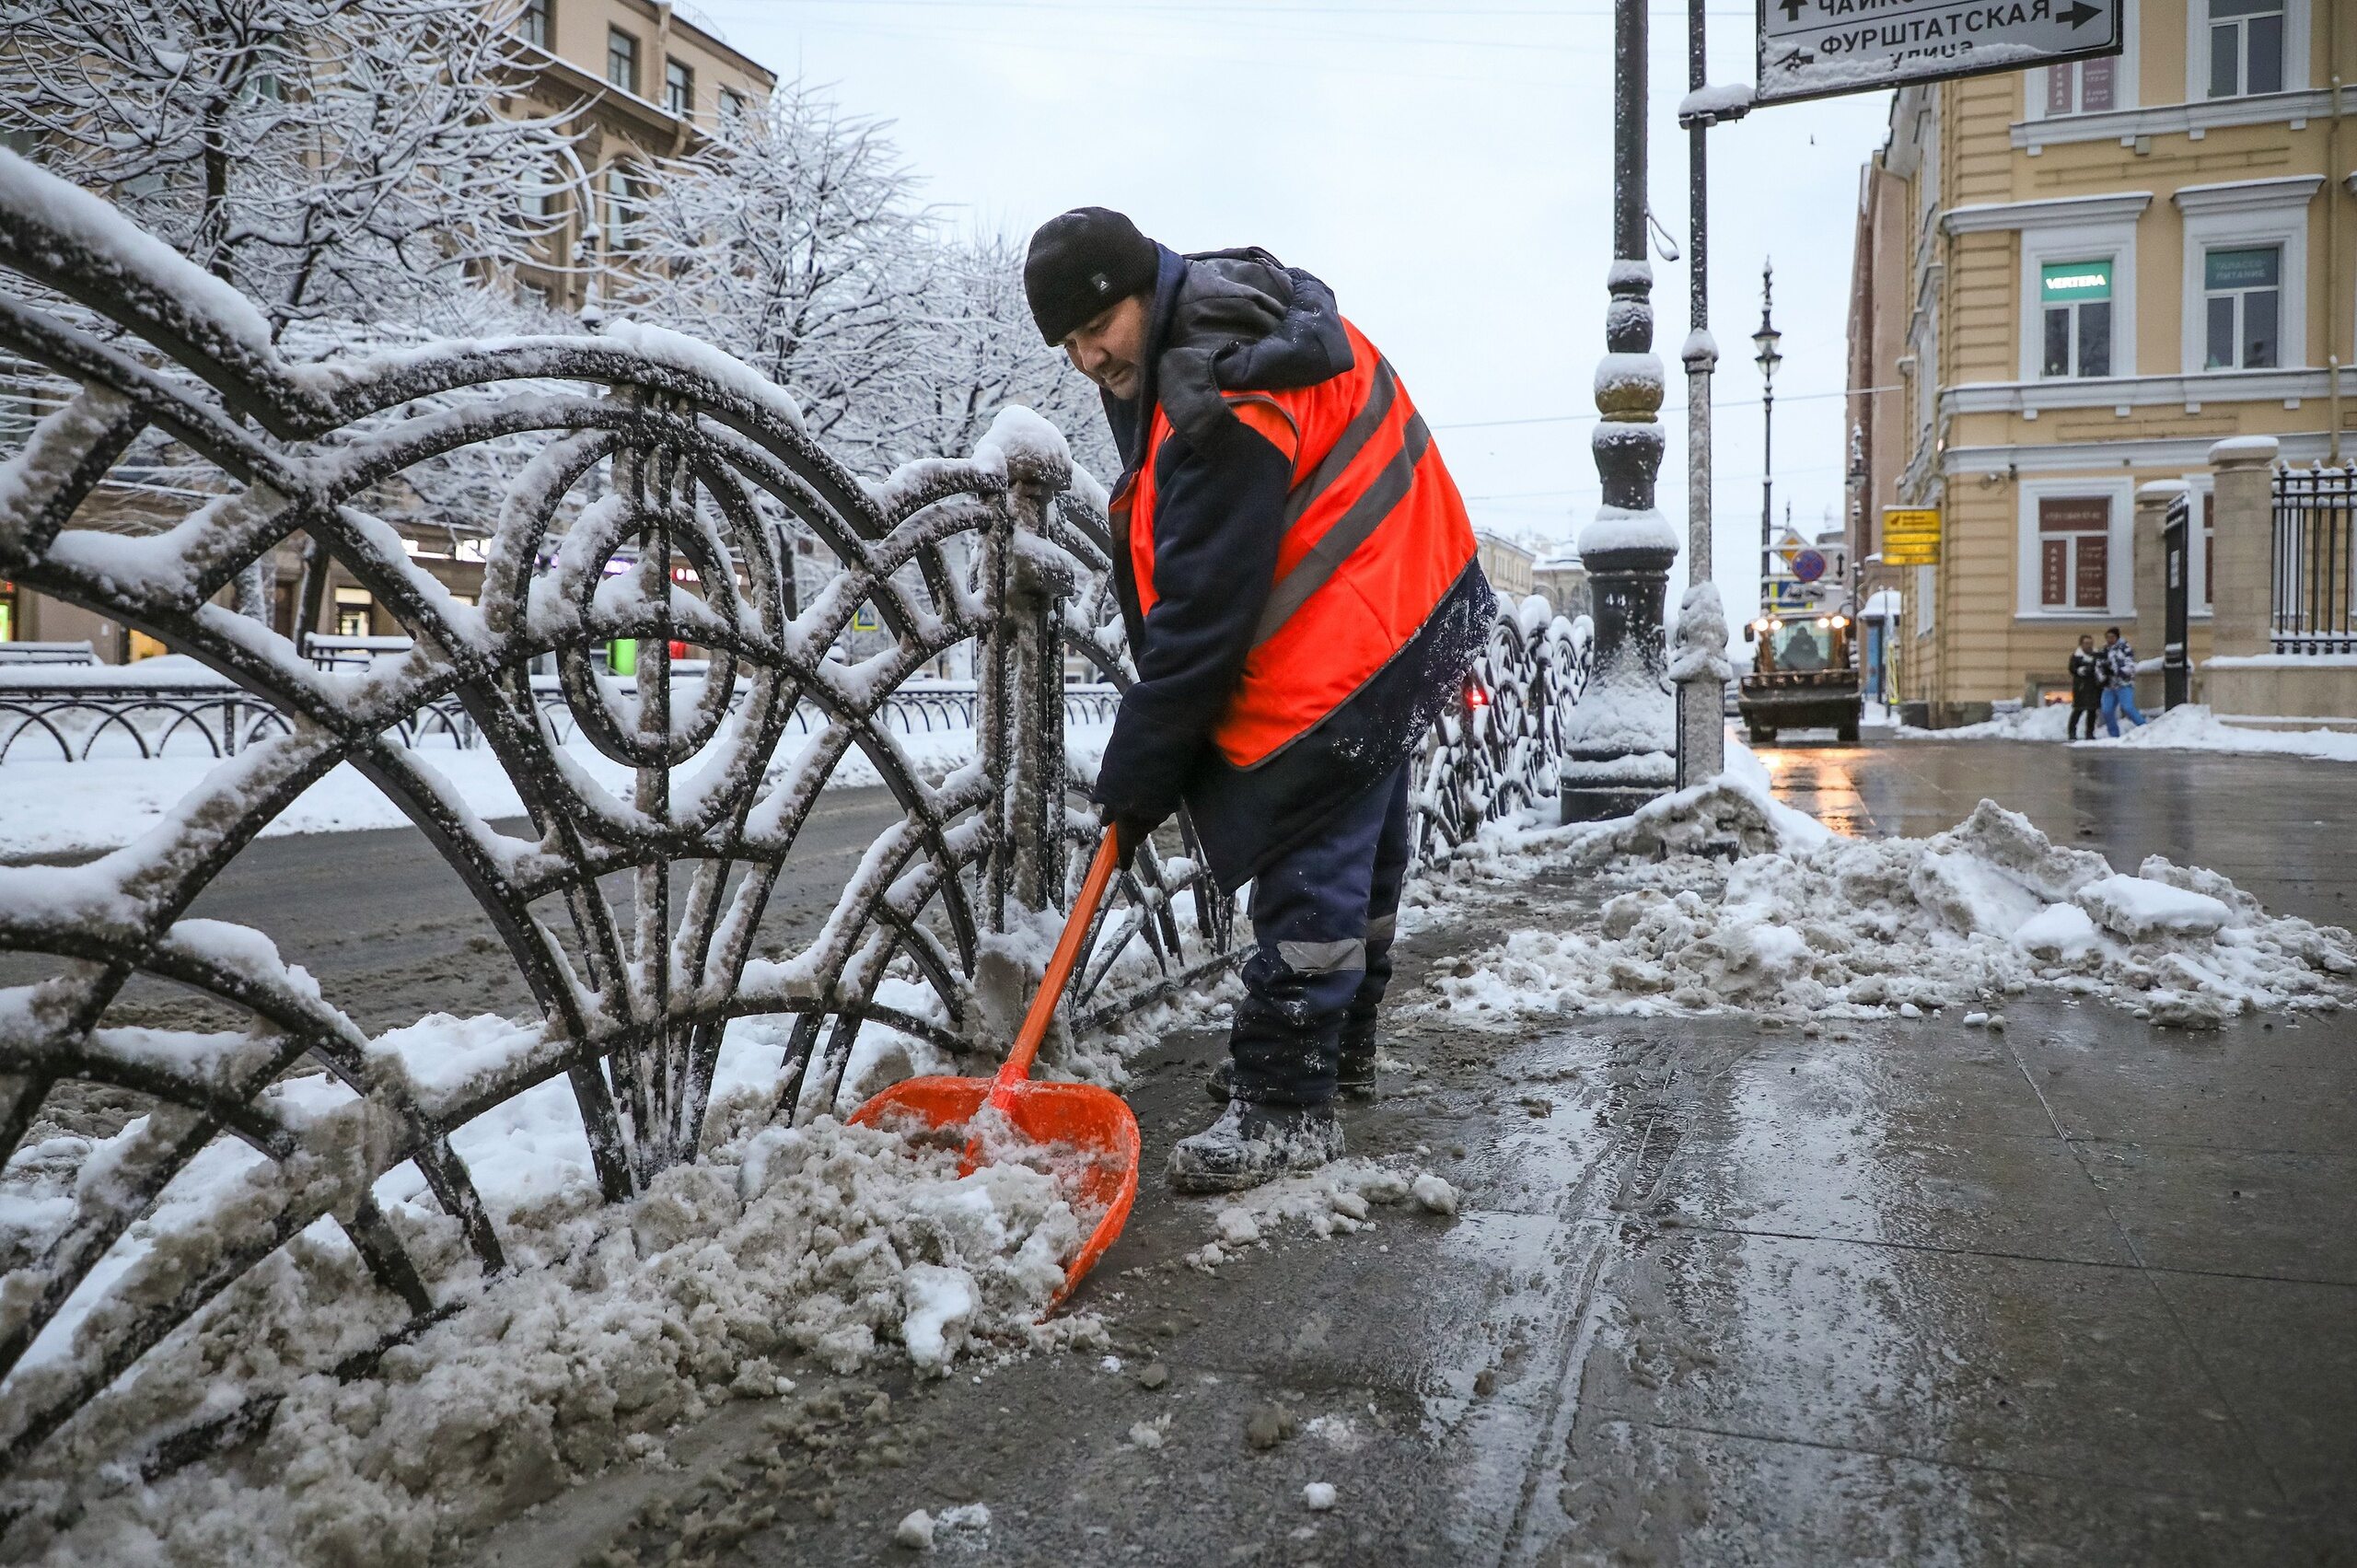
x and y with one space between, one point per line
1298 575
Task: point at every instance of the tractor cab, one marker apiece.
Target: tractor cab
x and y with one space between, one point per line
1804 676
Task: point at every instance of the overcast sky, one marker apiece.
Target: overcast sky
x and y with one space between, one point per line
1446 169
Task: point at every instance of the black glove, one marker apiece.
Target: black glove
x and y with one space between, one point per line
1129 830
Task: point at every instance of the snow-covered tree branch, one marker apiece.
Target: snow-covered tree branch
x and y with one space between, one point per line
329 158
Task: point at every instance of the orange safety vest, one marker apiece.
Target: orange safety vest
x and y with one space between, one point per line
1376 535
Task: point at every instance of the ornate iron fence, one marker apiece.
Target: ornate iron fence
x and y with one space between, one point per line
632 444
73 721
1502 751
2315 604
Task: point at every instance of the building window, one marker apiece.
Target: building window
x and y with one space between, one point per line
532 23
2242 293
625 204
2074 553
679 88
2245 47
2075 297
621 59
732 108
2082 87
352 612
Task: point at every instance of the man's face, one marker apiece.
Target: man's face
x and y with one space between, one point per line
2109 638
2087 644
1109 347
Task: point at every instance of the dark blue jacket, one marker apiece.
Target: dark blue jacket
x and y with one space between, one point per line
1237 320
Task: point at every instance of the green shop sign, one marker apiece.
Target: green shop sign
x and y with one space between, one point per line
2067 283
2243 268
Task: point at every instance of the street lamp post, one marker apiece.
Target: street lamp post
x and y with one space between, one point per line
1767 338
1621 738
1700 668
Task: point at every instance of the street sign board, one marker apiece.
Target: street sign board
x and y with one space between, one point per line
1808 565
1910 536
1822 48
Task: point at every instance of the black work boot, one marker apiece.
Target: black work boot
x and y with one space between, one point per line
1355 1080
1251 1143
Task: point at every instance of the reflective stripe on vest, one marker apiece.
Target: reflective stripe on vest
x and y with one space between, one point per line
1376 535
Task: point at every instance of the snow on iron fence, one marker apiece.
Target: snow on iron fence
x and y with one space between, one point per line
282 1115
1501 751
45 717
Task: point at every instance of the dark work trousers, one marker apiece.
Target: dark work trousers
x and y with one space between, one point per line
1323 914
2088 704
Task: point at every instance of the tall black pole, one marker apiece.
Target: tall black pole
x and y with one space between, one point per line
1701 738
1621 750
1768 362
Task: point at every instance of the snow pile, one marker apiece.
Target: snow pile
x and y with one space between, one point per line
2193 727
1337 1199
2187 728
826 1241
1806 924
2048 721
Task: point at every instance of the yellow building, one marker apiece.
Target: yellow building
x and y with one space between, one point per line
2071 281
1506 564
646 84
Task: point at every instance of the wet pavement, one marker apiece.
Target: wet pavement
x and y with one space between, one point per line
2082 1291
2269 822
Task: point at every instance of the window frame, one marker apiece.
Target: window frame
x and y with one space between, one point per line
2245 216
627 189
543 14
2127 76
679 87
2119 495
616 35
2075 353
2296 16
2240 303
2112 242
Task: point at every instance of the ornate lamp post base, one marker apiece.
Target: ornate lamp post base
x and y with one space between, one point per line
1621 751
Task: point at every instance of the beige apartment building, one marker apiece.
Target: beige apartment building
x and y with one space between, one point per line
2073 281
644 83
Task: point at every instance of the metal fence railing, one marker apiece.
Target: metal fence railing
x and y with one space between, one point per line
2314 564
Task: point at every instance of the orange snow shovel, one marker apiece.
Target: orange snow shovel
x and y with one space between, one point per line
1096 1124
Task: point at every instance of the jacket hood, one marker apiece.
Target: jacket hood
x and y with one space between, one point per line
1227 320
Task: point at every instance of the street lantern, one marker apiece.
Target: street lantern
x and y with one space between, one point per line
1766 339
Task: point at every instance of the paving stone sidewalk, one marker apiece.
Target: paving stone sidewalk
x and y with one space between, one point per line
2078 1292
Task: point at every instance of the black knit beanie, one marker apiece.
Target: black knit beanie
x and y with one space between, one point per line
1082 261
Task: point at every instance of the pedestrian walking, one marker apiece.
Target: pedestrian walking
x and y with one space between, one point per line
2086 684
1298 577
2118 682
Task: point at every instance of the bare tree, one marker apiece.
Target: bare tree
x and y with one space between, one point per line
797 244
329 158
981 352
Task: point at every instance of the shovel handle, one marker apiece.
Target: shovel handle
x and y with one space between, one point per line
1017 1066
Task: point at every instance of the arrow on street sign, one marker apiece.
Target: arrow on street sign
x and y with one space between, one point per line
1821 48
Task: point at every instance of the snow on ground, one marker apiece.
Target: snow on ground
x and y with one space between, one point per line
835 1243
54 808
1723 898
841 1245
2189 728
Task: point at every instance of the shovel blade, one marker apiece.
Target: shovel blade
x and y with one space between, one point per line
1096 1124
